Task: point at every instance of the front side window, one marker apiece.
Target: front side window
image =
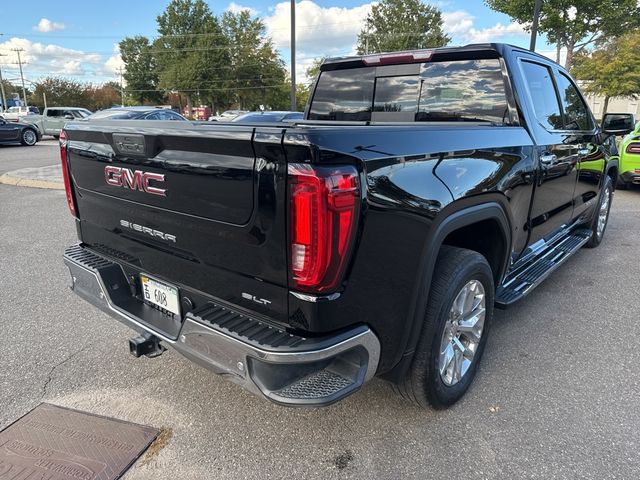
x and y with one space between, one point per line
543 95
576 112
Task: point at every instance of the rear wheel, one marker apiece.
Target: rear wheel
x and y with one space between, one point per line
457 320
29 137
601 215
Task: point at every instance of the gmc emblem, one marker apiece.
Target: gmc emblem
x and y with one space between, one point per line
134 180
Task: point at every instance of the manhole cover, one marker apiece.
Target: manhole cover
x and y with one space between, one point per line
55 443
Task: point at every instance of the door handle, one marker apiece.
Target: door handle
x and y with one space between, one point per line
548 158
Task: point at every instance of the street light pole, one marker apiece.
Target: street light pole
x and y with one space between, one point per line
534 25
293 55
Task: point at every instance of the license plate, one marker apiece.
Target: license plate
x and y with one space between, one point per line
160 294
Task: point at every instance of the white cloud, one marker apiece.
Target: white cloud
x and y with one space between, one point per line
114 63
320 31
237 8
552 54
45 25
460 24
457 23
47 59
72 67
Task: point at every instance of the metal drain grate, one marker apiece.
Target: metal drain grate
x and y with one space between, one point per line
52 442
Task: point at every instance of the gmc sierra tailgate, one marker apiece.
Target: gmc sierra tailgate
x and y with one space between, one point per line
195 206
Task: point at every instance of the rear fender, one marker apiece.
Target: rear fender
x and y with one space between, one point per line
459 214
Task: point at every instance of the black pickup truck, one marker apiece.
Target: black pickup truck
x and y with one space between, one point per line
374 237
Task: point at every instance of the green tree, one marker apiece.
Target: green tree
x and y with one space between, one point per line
60 92
574 24
303 90
141 74
192 53
257 72
11 90
102 96
612 71
401 25
302 95
313 70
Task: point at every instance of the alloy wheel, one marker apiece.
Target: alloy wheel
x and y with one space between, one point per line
29 137
603 214
462 333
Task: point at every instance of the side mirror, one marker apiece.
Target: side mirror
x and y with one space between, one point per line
68 117
618 123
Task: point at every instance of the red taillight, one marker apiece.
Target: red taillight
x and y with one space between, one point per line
633 148
65 174
323 214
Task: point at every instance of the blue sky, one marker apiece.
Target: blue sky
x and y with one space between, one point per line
78 39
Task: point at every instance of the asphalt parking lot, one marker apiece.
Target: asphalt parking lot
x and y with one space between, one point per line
557 396
13 157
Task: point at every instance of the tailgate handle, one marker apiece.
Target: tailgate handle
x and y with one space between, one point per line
129 143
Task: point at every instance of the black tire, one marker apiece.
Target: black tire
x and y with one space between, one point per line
621 184
423 383
29 137
596 235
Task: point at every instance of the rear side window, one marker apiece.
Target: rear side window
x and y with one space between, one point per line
575 111
53 113
461 90
343 95
543 95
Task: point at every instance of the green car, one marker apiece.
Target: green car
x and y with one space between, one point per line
630 159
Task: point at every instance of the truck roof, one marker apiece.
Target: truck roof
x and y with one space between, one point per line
466 51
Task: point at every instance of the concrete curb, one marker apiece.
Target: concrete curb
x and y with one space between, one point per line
7 179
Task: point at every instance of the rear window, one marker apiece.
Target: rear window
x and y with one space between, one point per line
461 90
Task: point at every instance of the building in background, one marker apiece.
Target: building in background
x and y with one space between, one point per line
616 105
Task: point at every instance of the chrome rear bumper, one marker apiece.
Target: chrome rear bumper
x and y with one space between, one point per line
285 368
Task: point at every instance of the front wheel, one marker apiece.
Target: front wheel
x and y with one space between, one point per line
601 215
29 137
456 326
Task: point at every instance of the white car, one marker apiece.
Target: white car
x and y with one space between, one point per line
13 114
227 115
